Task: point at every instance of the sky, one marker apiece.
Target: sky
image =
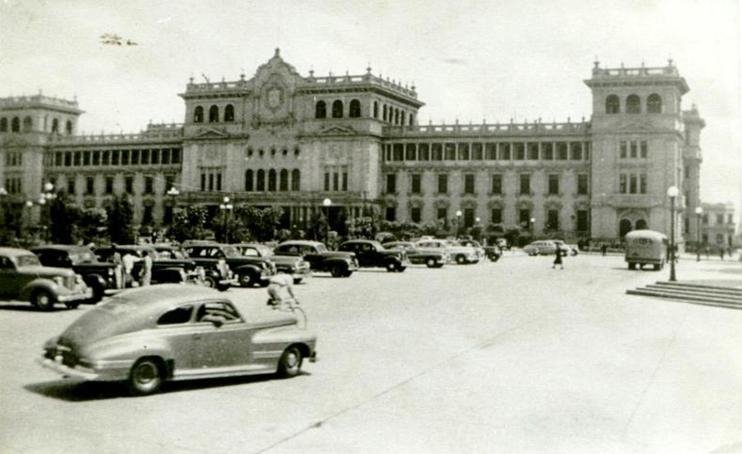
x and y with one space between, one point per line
470 60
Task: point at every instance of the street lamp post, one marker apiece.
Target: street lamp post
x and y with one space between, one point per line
533 221
226 207
327 203
172 193
699 213
672 193
458 223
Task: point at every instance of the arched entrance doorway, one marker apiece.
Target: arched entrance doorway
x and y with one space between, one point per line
641 224
624 227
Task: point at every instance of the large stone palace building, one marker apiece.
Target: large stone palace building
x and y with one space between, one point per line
283 139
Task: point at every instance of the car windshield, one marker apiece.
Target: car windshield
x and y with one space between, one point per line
27 260
321 248
83 256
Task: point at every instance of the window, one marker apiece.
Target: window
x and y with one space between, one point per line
283 183
295 180
622 183
59 159
547 151
385 113
441 214
354 109
496 216
415 214
272 180
525 184
490 151
55 125
642 184
469 183
169 183
155 155
198 114
27 124
476 152
468 217
552 220
149 187
89 185
437 152
415 183
248 180
524 217
632 184
337 109
633 149
3 124
391 183
575 151
554 184
345 181
376 109
144 155
450 150
147 215
623 149
176 316
124 157
229 113
260 186
423 152
497 184
213 114
643 149
561 151
175 156
327 181
391 214
612 104
505 151
109 185
398 152
320 110
463 151
532 151
68 127
582 221
442 183
71 186
223 311
134 157
582 184
77 158
335 185
519 151
633 104
654 103
410 154
129 185
96 158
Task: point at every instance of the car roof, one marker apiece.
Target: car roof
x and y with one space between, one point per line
60 247
645 234
162 296
13 251
300 243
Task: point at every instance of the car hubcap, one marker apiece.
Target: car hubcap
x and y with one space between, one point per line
292 360
245 279
146 374
43 300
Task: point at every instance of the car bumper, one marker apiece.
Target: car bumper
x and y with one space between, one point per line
302 274
230 281
115 373
75 295
313 357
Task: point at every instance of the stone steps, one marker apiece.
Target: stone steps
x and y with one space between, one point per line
707 295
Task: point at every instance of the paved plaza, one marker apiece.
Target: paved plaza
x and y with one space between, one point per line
503 357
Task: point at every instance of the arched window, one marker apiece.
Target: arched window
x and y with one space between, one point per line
633 104
376 109
320 110
295 180
68 127
404 118
283 184
248 180
337 109
3 124
272 180
355 109
261 180
27 124
412 119
624 227
641 224
198 114
385 114
229 113
654 103
612 104
396 116
15 124
213 114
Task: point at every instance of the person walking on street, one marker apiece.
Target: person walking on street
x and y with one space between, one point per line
604 248
721 252
146 277
128 261
558 258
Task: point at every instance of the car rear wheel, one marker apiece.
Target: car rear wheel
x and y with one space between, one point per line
210 282
43 299
247 280
290 363
632 265
430 263
391 267
460 259
337 271
145 377
297 280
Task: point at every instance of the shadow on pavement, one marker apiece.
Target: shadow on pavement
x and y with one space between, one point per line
83 391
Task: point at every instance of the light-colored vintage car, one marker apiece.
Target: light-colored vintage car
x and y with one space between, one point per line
458 254
147 336
541 247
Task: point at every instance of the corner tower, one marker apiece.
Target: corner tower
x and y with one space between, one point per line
638 136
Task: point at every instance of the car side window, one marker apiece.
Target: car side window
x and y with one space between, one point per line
250 252
6 264
219 309
176 316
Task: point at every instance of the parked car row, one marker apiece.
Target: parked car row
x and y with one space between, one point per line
548 247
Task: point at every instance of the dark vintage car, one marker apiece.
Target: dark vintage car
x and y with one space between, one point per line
23 277
249 270
493 252
371 254
432 258
150 335
216 274
164 270
99 276
297 267
339 264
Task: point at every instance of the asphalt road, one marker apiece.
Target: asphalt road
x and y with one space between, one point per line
496 357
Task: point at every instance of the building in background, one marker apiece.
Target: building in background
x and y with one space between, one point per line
718 227
287 140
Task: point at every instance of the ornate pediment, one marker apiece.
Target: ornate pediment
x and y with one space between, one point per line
337 130
210 133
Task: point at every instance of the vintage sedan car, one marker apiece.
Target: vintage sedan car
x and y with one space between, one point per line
431 258
297 267
472 244
570 249
150 335
371 254
22 277
338 263
541 247
459 254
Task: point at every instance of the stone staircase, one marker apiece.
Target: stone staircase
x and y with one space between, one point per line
707 295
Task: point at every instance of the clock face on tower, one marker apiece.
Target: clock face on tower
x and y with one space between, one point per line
274 97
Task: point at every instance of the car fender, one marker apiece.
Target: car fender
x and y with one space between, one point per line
94 280
123 350
36 284
280 338
242 269
332 261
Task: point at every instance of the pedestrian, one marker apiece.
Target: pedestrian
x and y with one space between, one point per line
558 258
603 248
128 261
721 252
146 273
708 249
116 259
281 291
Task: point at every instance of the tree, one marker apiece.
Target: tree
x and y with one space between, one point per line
63 217
260 223
120 220
92 225
318 226
189 224
363 227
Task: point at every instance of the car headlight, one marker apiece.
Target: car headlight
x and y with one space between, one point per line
59 280
111 272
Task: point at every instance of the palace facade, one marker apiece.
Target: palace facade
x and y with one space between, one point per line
283 139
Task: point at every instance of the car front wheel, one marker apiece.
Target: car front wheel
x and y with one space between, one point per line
430 263
246 280
145 377
337 271
43 300
290 363
391 267
460 259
